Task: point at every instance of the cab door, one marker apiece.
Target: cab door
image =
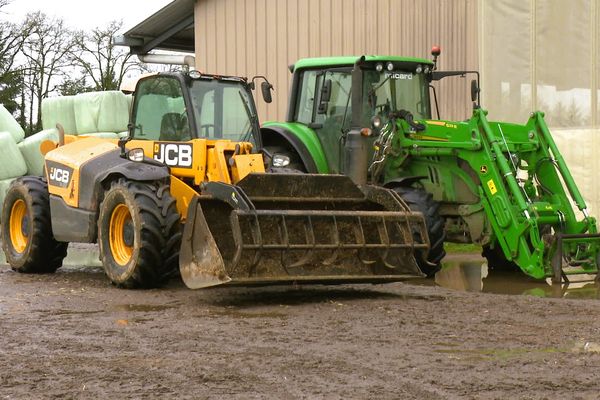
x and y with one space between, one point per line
324 106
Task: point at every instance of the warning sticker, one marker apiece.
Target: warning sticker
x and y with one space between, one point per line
492 186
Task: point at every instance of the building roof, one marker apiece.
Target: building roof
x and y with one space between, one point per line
170 28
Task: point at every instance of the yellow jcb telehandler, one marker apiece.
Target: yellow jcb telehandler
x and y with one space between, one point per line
191 184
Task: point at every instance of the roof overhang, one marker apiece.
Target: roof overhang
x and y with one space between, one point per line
170 28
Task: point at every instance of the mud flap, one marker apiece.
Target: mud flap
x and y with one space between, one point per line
202 265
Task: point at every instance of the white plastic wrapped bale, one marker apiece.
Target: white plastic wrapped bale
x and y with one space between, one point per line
12 164
30 149
114 112
9 124
101 135
101 112
59 110
4 184
87 109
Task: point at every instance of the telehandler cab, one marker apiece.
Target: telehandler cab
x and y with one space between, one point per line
188 187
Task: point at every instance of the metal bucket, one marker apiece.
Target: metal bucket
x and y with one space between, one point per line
301 228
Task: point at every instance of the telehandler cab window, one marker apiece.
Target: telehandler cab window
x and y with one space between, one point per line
160 112
223 110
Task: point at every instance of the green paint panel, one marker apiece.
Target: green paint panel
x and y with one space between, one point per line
309 138
325 62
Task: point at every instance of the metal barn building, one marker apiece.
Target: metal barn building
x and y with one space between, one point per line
532 54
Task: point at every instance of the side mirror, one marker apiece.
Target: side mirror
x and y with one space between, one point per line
266 88
474 90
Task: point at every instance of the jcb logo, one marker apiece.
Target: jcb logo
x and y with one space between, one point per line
58 174
174 154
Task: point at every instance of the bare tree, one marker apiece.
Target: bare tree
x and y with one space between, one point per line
45 50
99 59
12 37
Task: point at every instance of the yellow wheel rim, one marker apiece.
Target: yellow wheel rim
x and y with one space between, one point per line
18 237
119 248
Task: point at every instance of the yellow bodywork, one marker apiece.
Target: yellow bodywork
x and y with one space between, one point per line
74 155
191 163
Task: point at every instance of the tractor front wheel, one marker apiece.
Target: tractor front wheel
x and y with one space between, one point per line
27 238
420 200
139 234
496 259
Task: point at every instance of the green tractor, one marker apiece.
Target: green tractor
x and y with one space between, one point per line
500 185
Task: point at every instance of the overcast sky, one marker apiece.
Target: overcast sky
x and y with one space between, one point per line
84 14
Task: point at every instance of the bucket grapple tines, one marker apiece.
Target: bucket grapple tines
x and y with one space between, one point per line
265 241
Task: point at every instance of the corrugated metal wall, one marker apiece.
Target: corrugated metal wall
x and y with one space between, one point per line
544 55
262 37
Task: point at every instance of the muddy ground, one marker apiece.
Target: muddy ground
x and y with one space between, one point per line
72 335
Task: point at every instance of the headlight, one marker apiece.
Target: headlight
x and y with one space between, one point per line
136 155
194 74
280 160
376 122
419 69
379 67
390 66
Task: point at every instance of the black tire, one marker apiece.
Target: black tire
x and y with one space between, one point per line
38 251
496 259
420 200
150 234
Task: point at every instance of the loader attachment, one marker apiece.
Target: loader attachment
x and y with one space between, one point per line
299 228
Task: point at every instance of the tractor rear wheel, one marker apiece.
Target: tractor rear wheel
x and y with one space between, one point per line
27 237
420 200
139 234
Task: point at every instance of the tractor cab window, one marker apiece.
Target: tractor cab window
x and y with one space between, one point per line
324 105
223 110
159 111
387 91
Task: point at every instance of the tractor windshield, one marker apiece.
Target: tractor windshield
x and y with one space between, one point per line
388 91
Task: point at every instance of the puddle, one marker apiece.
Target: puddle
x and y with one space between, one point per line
246 315
474 276
141 307
86 255
505 354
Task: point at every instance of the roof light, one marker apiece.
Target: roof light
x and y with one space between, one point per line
390 66
195 74
379 67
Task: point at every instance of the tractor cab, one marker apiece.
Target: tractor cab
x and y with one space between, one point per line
323 98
